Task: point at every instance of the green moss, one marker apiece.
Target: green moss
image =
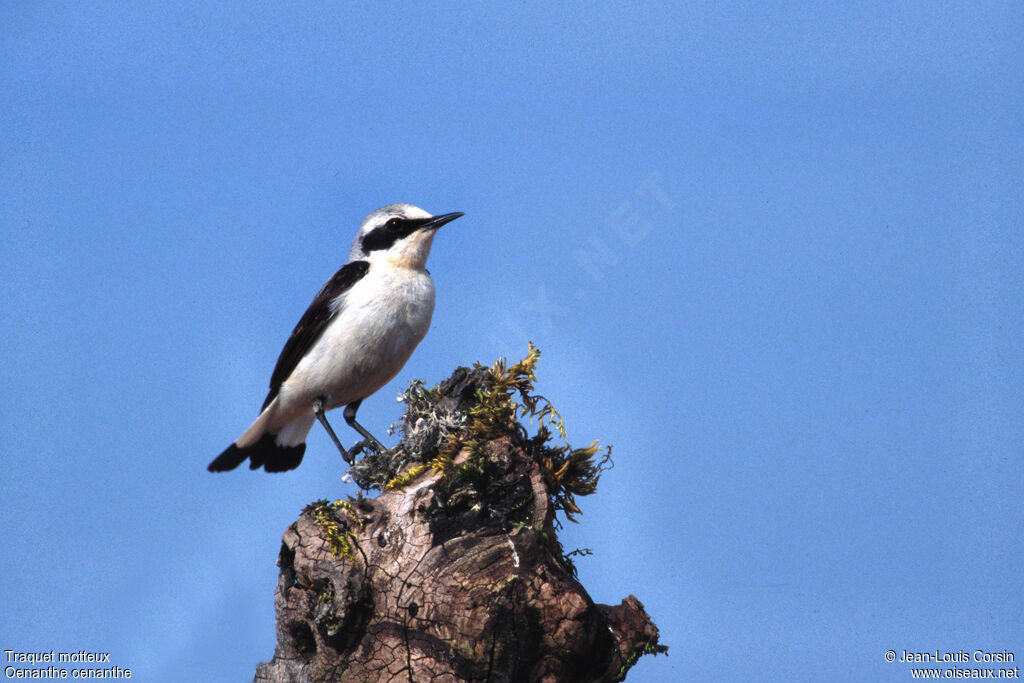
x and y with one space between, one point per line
645 649
507 397
569 564
407 478
437 429
337 531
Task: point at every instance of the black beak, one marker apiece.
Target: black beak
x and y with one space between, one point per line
435 222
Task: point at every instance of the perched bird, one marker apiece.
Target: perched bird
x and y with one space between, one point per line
356 335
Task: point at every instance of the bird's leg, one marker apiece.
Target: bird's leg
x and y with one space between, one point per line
350 418
318 410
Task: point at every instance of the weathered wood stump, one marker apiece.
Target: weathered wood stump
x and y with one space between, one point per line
454 574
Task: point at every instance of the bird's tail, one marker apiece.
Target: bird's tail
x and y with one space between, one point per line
277 451
265 453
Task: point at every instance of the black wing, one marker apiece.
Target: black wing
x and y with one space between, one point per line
313 323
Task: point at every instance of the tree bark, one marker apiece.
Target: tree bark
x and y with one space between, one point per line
438 580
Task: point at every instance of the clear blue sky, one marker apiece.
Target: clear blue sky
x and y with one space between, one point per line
772 254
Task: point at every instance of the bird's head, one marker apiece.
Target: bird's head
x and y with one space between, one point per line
400 233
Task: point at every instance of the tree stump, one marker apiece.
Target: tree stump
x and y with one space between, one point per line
453 574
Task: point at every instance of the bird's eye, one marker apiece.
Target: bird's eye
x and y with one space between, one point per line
393 224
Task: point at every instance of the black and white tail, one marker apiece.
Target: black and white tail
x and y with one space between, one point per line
279 450
265 453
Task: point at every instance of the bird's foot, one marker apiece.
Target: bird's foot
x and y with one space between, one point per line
367 446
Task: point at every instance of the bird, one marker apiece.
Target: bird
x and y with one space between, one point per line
356 335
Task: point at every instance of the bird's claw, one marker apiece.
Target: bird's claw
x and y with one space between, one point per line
367 446
364 446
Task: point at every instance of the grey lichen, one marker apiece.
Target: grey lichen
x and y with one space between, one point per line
432 415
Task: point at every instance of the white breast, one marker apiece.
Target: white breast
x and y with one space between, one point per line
382 319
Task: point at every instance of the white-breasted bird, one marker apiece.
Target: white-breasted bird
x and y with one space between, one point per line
357 334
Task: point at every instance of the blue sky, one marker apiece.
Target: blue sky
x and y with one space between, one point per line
772 254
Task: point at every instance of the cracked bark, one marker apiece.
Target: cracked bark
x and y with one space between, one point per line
440 588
